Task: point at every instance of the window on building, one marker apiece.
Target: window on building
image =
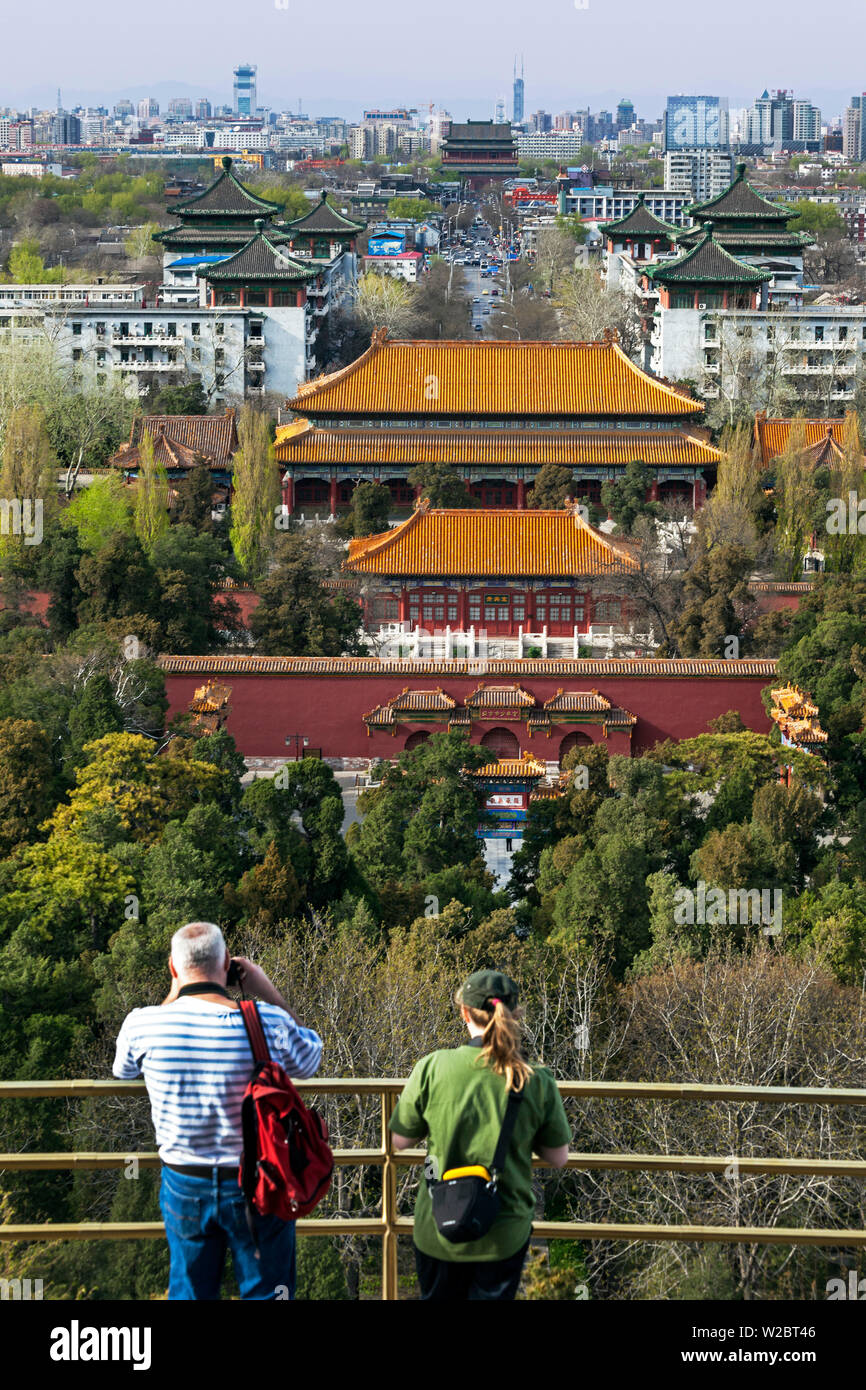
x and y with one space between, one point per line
195 329
819 333
172 330
219 329
76 330
255 330
843 334
76 354
608 610
148 330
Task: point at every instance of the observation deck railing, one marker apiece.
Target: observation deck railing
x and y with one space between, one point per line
389 1225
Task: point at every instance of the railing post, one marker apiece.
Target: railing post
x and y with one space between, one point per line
389 1205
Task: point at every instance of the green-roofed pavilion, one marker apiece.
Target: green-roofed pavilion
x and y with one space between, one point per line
707 276
324 231
746 223
640 233
220 219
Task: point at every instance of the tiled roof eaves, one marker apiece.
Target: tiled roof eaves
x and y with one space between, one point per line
353 667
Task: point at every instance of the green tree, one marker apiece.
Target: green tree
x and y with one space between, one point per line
626 498
371 506
27 784
553 483
151 500
97 511
188 399
297 616
194 506
441 484
255 496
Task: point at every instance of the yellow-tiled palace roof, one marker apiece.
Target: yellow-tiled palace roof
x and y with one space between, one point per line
826 438
446 377
303 443
472 541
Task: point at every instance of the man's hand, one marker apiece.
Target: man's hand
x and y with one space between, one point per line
253 980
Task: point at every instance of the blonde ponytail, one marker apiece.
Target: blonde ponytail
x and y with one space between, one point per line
500 1044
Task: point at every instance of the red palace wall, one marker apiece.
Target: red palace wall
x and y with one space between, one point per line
325 699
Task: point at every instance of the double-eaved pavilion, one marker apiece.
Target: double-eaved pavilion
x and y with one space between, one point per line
640 234
756 231
501 572
495 412
707 276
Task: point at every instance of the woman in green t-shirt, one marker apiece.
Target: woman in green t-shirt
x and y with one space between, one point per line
457 1099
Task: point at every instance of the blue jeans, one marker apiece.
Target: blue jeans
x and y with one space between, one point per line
203 1218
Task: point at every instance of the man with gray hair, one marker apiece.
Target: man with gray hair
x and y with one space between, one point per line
195 1057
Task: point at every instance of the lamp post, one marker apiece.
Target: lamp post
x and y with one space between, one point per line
299 741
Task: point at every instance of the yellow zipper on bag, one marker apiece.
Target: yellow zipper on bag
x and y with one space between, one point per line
477 1171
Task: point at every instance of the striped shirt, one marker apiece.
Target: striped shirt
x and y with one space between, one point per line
196 1061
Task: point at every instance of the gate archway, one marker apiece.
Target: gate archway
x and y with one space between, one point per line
502 742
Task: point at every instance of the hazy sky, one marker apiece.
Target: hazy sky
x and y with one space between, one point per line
340 55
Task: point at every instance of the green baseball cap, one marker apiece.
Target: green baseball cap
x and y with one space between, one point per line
484 986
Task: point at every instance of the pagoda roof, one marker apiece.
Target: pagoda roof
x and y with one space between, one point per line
740 200
588 702
304 444
526 767
479 132
226 197
443 377
261 259
211 437
708 262
324 217
739 239
825 440
213 236
472 541
640 222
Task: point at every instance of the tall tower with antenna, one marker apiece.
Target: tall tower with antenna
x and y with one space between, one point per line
517 103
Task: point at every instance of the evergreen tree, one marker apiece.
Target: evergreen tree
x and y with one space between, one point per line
552 485
194 506
441 484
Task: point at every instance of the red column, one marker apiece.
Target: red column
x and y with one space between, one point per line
699 493
521 495
403 609
270 299
213 299
332 495
654 490
243 298
289 493
463 610
529 620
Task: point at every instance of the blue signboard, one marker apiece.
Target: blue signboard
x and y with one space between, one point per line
388 244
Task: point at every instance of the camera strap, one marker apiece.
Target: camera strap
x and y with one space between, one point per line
203 987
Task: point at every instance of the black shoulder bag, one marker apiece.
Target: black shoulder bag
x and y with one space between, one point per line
466 1200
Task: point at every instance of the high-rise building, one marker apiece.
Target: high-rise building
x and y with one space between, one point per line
625 114
696 123
851 130
771 119
704 172
807 121
179 109
499 116
517 102
203 110
245 89
65 129
123 108
147 108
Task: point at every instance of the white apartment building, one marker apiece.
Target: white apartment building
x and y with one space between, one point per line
701 172
234 352
561 145
606 204
815 354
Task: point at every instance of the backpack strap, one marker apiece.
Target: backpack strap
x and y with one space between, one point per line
255 1031
507 1130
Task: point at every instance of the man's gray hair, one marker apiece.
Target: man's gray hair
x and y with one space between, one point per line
199 946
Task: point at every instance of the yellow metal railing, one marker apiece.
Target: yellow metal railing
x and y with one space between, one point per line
389 1225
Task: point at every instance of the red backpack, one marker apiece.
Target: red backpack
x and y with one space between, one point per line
286 1165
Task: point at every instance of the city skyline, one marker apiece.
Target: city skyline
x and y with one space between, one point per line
464 63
